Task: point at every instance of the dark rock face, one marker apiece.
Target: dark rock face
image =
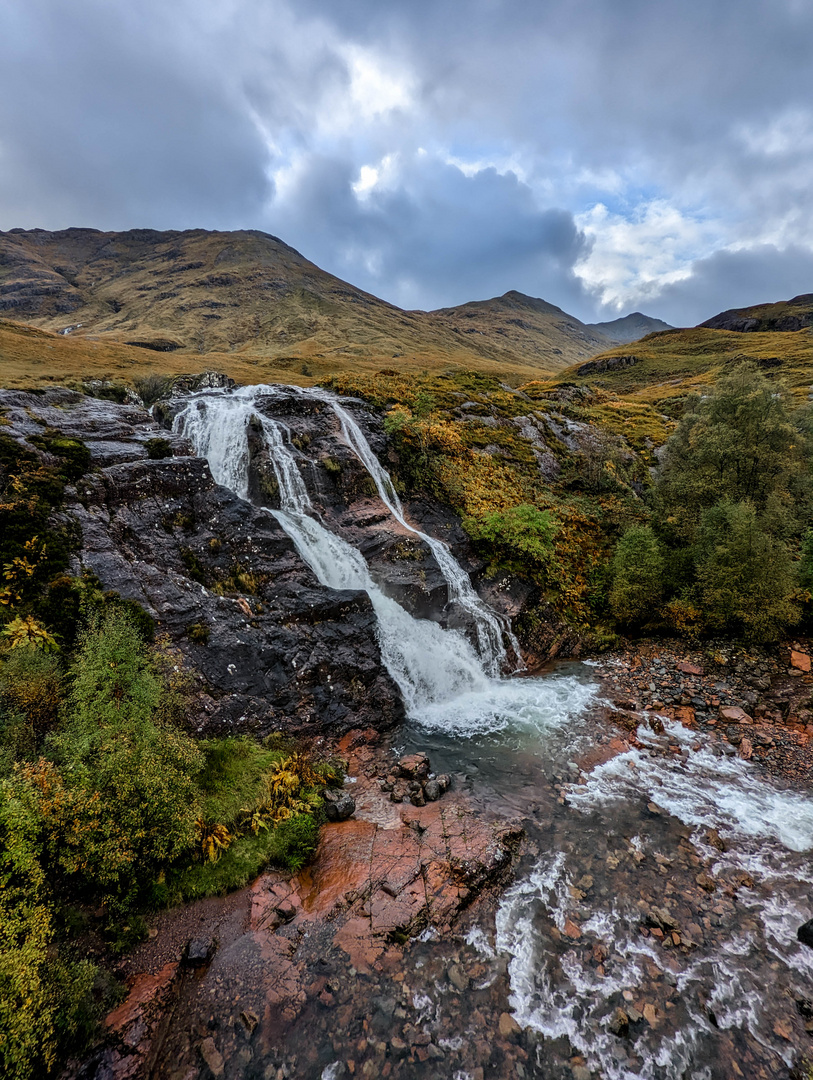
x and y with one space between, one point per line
339 805
273 649
805 933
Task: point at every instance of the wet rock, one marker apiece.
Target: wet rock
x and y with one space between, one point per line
508 1026
805 933
339 805
706 882
746 749
458 977
432 791
619 1023
414 767
200 951
398 1048
212 1057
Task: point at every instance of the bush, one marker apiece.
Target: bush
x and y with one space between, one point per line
131 791
637 585
522 535
150 388
45 1004
31 683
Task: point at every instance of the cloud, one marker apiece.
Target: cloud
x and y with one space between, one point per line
735 279
596 152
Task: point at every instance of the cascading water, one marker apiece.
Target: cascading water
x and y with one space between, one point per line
491 629
602 851
436 670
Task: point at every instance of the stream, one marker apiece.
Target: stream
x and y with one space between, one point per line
650 929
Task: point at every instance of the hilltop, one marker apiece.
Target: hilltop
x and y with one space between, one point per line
630 328
784 316
670 364
248 298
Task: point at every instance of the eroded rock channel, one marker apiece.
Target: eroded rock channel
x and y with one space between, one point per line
601 889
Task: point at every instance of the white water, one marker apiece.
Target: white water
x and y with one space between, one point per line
769 832
443 681
491 629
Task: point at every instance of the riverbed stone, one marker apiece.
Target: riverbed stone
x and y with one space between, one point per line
339 805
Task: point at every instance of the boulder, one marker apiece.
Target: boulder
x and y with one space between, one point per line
799 660
339 805
414 767
200 951
733 714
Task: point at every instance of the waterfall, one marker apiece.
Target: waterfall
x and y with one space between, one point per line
491 629
429 664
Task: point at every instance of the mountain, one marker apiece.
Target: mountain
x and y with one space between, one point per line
784 316
522 326
630 327
249 297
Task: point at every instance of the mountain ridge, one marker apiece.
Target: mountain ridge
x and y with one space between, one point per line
249 293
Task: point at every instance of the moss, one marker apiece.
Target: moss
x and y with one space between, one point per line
158 449
193 565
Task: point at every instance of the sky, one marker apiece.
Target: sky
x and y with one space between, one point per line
605 155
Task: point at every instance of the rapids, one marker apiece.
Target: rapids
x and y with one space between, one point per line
608 845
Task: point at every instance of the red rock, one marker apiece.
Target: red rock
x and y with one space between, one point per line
746 750
689 669
685 715
572 929
733 714
799 660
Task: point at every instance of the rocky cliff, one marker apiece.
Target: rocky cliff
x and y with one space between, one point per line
269 646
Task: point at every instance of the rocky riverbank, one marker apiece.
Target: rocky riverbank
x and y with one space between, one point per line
222 984
758 701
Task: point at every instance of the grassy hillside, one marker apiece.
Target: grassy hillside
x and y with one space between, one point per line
669 365
248 294
786 315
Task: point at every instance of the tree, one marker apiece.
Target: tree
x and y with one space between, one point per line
746 579
637 586
744 441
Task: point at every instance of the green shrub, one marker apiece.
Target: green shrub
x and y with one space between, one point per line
521 535
637 568
45 1002
31 683
150 388
199 633
131 798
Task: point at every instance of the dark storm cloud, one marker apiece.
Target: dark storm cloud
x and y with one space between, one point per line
735 279
438 233
490 128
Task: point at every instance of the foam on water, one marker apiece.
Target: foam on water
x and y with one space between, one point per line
769 829
702 788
